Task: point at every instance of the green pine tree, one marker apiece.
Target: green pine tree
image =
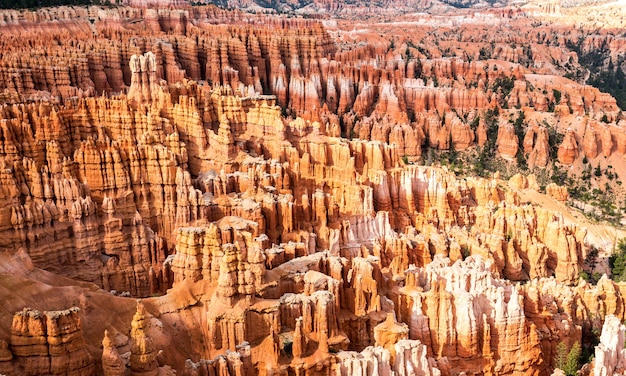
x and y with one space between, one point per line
572 362
617 262
561 355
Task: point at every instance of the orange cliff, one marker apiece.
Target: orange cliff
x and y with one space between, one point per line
262 243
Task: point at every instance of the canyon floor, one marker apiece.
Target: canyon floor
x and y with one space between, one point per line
333 188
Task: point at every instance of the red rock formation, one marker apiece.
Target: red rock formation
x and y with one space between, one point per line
410 355
143 80
112 362
464 334
557 192
610 354
276 234
5 358
388 333
143 354
537 146
49 343
568 150
590 143
507 141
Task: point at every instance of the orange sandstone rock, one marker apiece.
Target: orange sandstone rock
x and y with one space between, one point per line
50 342
568 150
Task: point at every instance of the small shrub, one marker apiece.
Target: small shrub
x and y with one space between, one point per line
288 348
584 275
465 252
557 96
605 119
561 355
598 171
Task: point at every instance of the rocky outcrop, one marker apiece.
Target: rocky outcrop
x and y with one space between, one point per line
5 358
214 254
388 333
537 146
610 356
464 333
568 150
557 192
410 357
51 342
234 363
143 356
266 178
590 144
143 79
508 142
112 362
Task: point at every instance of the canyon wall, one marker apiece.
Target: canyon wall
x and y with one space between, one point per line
264 187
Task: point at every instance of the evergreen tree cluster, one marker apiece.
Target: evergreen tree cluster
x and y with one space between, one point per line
605 74
613 81
568 362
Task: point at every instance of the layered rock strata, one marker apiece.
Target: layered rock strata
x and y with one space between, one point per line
51 342
265 177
